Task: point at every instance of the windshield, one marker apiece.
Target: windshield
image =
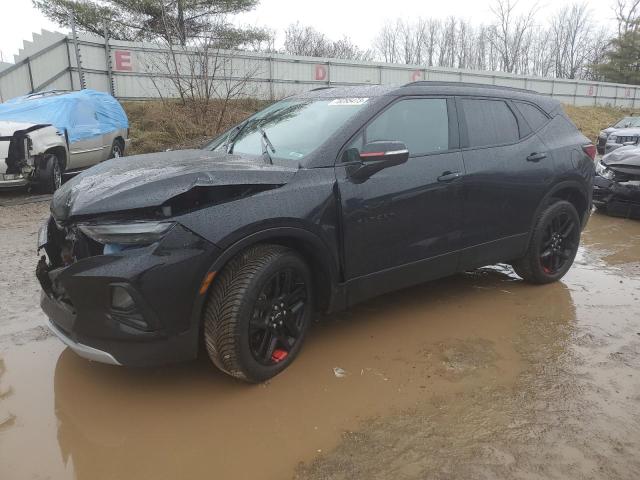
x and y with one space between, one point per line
627 122
294 127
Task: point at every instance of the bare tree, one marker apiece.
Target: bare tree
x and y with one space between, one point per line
202 75
387 43
307 41
567 46
628 16
509 31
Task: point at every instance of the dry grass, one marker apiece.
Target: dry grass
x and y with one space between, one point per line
157 126
590 120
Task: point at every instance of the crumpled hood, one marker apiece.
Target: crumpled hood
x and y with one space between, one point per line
150 180
627 156
8 128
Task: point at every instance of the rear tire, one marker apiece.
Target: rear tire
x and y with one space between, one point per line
117 149
253 326
553 245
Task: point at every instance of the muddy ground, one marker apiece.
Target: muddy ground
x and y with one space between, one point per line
476 376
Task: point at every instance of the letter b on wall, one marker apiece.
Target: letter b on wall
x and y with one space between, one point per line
321 72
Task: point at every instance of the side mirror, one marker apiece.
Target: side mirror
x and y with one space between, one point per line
376 156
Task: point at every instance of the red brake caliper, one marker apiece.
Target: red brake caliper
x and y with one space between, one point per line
279 355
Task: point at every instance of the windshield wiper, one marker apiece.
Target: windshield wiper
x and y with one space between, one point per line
230 141
266 145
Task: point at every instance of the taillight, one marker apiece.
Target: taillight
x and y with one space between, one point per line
590 150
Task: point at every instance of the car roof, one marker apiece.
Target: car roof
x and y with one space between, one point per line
434 88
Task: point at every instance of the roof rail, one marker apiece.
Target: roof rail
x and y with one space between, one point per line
47 93
320 88
436 83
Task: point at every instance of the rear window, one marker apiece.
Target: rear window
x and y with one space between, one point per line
489 122
533 116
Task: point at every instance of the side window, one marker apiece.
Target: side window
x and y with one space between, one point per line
84 115
534 117
421 123
489 122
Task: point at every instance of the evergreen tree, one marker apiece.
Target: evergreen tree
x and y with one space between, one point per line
623 59
176 21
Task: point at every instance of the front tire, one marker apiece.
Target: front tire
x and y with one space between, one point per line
553 245
258 312
49 174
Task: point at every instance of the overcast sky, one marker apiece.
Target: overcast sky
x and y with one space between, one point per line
358 19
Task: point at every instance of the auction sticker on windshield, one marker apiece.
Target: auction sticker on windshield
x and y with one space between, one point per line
348 101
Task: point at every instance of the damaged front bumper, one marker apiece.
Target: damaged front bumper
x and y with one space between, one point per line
161 324
619 199
13 180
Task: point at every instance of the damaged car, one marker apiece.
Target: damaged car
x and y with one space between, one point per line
616 187
623 137
46 135
603 136
314 204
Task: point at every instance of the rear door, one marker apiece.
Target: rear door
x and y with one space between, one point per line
86 141
410 212
508 170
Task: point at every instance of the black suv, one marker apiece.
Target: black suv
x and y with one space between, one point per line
317 202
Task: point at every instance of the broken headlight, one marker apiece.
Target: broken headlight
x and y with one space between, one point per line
127 234
603 171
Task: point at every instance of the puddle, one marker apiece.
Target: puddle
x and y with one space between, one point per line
475 376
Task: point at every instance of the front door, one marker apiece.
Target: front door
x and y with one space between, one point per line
408 213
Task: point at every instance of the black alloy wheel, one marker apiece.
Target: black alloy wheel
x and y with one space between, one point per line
553 245
258 312
559 243
278 316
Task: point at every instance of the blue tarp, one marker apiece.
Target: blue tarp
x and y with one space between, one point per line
82 114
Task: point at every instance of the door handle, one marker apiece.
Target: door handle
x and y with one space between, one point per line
536 157
449 176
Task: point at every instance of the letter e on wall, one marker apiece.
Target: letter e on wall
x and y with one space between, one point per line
123 61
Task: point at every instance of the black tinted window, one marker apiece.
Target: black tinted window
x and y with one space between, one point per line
489 122
422 124
534 117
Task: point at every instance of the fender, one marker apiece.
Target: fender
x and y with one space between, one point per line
321 249
561 185
321 252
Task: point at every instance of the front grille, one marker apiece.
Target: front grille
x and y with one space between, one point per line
627 138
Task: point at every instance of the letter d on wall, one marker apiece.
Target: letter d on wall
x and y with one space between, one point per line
321 72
